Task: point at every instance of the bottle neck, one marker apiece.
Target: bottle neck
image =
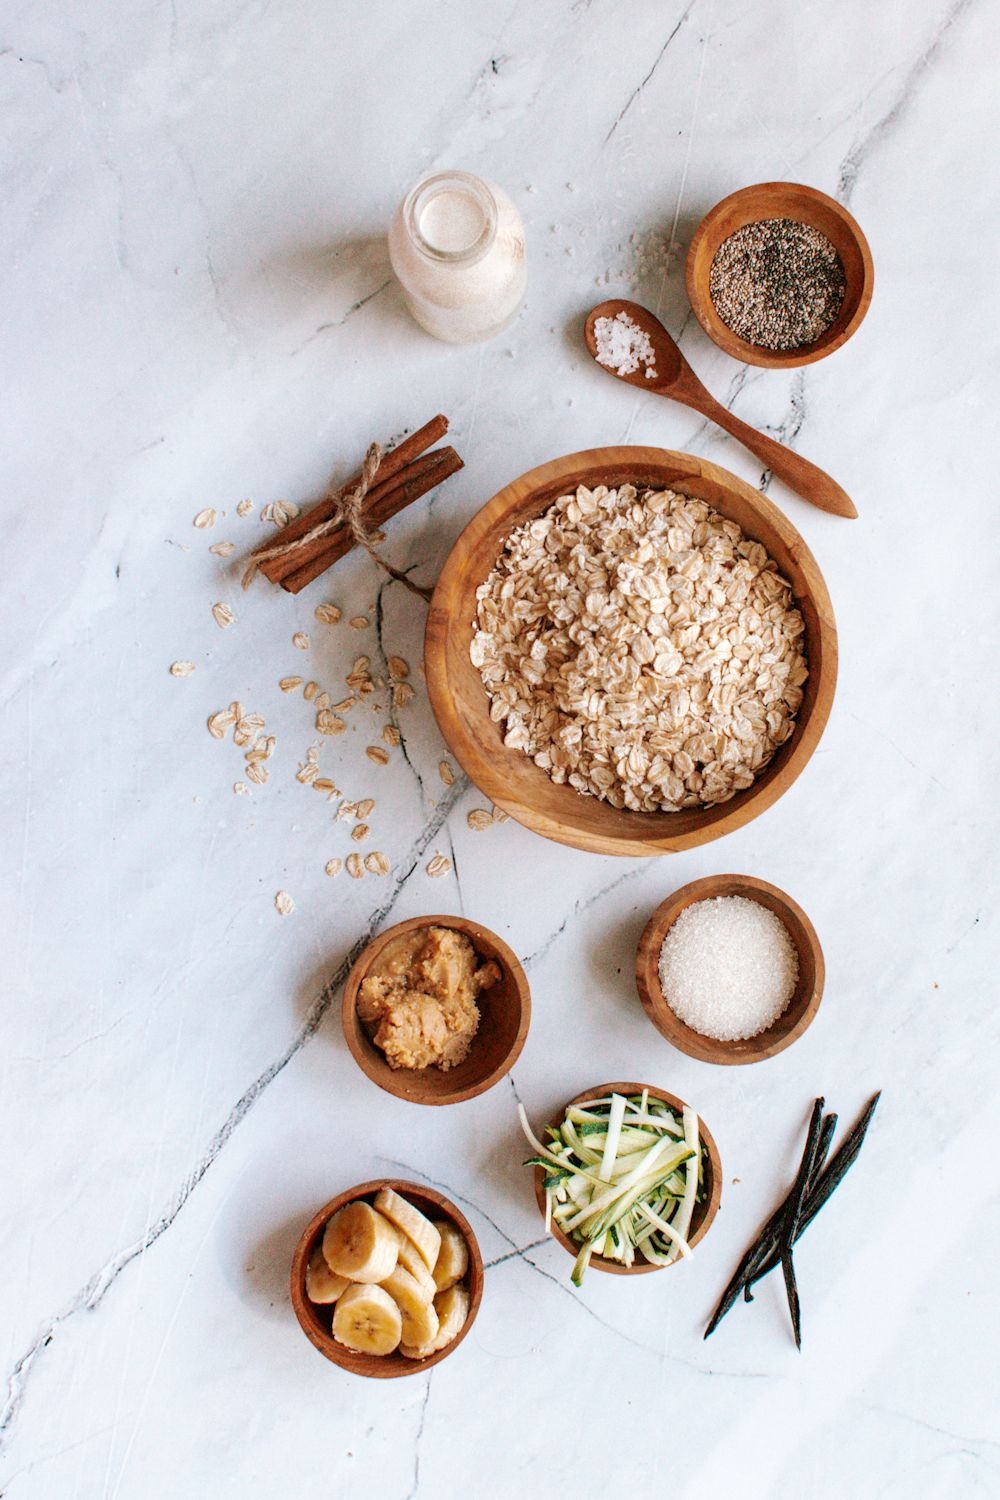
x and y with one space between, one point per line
451 218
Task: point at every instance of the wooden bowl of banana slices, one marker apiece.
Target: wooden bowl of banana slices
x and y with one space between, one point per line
387 1279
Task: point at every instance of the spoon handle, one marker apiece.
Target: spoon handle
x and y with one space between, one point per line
798 473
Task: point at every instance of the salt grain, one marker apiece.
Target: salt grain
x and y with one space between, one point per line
622 346
728 968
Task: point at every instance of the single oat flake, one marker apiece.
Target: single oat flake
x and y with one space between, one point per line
300 641
223 549
402 695
377 754
364 808
181 668
284 903
355 866
310 690
398 668
257 772
360 622
222 615
438 865
289 684
328 614
205 518
244 508
376 863
334 866
391 735
446 772
479 819
220 722
241 789
359 832
323 784
328 723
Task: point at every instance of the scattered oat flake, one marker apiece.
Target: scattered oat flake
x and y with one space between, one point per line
223 549
355 866
439 865
220 722
334 866
328 614
479 819
499 816
364 808
398 668
344 705
289 684
446 772
391 735
402 694
312 754
377 754
360 832
283 511
360 622
310 690
307 773
300 641
376 863
257 772
346 810
222 615
241 789
205 518
328 723
284 904
181 668
322 701
244 508
323 784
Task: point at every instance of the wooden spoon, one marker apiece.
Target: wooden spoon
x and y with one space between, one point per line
675 379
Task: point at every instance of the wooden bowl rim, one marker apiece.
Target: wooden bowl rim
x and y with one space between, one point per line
684 1037
612 1267
385 1366
704 309
494 515
364 1051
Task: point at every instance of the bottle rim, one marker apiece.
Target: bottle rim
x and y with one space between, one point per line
428 188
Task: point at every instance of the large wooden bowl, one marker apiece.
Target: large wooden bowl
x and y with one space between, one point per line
781 200
504 1009
801 1008
315 1320
704 1212
510 778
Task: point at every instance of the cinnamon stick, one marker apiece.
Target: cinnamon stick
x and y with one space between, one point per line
393 462
380 505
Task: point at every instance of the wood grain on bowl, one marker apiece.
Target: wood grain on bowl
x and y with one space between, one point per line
505 1014
704 1212
801 1008
315 1320
510 778
781 200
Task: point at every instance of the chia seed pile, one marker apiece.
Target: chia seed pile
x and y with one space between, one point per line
778 284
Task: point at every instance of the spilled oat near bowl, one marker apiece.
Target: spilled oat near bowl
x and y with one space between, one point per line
640 648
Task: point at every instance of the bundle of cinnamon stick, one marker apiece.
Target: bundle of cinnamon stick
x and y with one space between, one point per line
404 474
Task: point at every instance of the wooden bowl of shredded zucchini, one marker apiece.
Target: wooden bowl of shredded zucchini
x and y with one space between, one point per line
629 1180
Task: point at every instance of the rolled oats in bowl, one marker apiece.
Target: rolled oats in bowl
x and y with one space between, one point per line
640 648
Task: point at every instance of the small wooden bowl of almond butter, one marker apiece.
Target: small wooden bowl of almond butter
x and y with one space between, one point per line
387 1279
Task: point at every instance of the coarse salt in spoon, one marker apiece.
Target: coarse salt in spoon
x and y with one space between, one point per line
632 344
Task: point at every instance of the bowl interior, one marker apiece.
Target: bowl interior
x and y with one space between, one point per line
781 200
704 1211
316 1320
504 1008
801 1008
509 777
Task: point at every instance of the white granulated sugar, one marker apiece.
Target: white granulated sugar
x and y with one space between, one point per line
622 346
728 968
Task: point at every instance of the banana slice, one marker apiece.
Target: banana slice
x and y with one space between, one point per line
322 1284
411 1260
359 1244
366 1319
420 1320
412 1222
452 1308
453 1257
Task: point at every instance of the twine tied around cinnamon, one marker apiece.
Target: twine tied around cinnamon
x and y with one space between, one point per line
346 512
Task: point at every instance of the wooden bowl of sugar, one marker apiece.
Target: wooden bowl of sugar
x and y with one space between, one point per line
731 936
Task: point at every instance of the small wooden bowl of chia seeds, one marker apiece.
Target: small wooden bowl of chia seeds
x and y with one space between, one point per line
779 275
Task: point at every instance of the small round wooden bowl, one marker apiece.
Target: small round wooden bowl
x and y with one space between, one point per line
704 1212
781 200
801 1008
315 1320
505 1014
510 778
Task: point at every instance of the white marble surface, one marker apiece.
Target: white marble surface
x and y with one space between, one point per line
196 307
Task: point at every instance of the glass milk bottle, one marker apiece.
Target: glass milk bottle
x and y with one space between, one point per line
457 245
